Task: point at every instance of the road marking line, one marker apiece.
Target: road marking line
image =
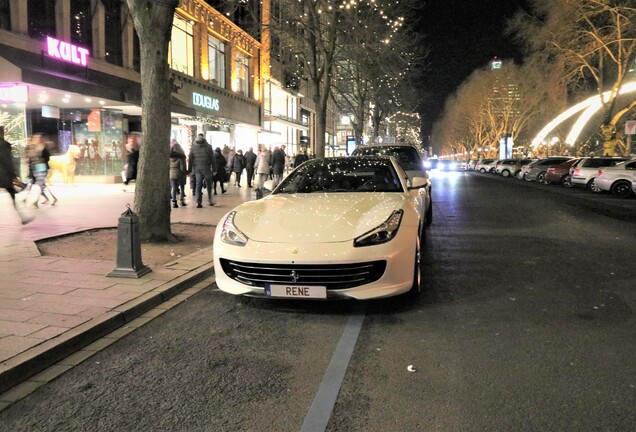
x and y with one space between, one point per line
321 408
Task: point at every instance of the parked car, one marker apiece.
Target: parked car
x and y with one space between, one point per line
521 167
536 171
617 179
483 165
408 158
367 227
585 171
560 174
506 167
492 166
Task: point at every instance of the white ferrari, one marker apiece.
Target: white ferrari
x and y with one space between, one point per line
343 227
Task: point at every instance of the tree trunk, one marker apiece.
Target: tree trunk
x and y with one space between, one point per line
321 99
153 22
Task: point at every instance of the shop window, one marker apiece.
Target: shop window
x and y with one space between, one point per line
216 58
41 16
242 74
82 23
113 32
5 15
181 48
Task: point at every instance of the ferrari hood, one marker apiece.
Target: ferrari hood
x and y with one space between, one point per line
315 218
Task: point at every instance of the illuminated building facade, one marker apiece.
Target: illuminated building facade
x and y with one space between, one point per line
70 69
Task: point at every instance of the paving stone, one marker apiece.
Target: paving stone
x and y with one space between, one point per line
49 332
14 345
63 308
59 320
18 328
17 315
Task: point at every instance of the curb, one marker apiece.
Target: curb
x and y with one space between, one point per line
23 366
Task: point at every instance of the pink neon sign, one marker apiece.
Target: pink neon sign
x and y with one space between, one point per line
66 51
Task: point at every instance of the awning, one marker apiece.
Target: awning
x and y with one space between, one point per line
179 107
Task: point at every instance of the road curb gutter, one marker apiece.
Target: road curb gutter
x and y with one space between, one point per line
33 361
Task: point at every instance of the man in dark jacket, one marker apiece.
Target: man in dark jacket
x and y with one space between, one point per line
132 146
250 160
278 163
202 164
8 174
300 158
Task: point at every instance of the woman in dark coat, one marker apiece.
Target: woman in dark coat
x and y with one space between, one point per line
221 175
238 165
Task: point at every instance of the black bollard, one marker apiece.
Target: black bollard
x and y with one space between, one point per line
129 263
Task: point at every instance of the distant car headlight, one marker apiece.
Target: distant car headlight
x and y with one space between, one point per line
230 234
452 166
427 164
381 234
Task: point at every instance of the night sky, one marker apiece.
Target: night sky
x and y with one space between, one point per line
463 35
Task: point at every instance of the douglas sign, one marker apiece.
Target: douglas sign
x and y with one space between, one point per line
205 101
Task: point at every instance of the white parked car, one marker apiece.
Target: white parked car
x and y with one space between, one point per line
583 173
483 165
617 179
343 227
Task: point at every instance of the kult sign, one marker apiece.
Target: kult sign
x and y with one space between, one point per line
205 101
66 51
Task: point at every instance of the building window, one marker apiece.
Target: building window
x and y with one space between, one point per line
5 15
216 61
41 15
82 23
242 74
113 32
181 48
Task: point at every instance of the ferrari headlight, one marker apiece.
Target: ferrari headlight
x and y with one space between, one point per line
230 234
382 233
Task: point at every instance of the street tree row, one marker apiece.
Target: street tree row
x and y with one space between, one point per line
575 49
321 36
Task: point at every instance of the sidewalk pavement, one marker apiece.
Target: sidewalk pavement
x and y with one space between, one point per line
51 307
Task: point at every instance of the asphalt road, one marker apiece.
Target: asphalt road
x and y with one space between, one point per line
527 324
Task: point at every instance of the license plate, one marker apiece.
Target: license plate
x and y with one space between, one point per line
296 291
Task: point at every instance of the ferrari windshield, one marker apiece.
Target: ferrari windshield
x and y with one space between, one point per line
342 174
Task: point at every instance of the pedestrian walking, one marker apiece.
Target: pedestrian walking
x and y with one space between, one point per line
38 156
250 161
8 175
132 148
278 163
238 165
262 166
202 164
221 174
300 158
177 173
